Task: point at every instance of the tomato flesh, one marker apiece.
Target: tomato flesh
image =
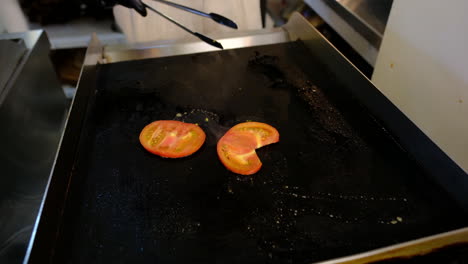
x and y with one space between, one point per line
236 149
172 139
263 133
237 152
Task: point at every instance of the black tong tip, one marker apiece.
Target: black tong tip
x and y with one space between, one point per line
223 20
208 40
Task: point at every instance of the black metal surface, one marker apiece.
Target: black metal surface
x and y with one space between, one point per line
45 235
336 184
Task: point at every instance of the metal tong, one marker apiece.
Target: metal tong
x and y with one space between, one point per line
215 17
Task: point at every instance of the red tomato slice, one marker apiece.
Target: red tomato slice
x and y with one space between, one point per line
236 149
172 139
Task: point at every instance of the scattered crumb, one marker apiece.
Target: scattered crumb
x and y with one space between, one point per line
460 101
179 115
206 119
399 219
394 222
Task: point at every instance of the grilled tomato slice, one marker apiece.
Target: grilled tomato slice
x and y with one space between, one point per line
172 139
236 149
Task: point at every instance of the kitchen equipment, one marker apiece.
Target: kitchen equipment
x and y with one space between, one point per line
350 174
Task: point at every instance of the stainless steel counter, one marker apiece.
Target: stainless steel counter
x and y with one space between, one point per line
32 111
232 40
360 22
372 13
11 52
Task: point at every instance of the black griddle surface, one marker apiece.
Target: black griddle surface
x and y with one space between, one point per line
335 184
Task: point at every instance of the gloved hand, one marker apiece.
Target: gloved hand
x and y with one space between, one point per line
135 4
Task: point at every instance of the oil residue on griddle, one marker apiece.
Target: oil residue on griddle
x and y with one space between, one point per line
267 65
208 120
295 207
332 127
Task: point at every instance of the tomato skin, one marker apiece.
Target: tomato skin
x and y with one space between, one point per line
172 139
236 149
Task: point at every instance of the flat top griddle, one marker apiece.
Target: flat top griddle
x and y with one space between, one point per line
337 183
